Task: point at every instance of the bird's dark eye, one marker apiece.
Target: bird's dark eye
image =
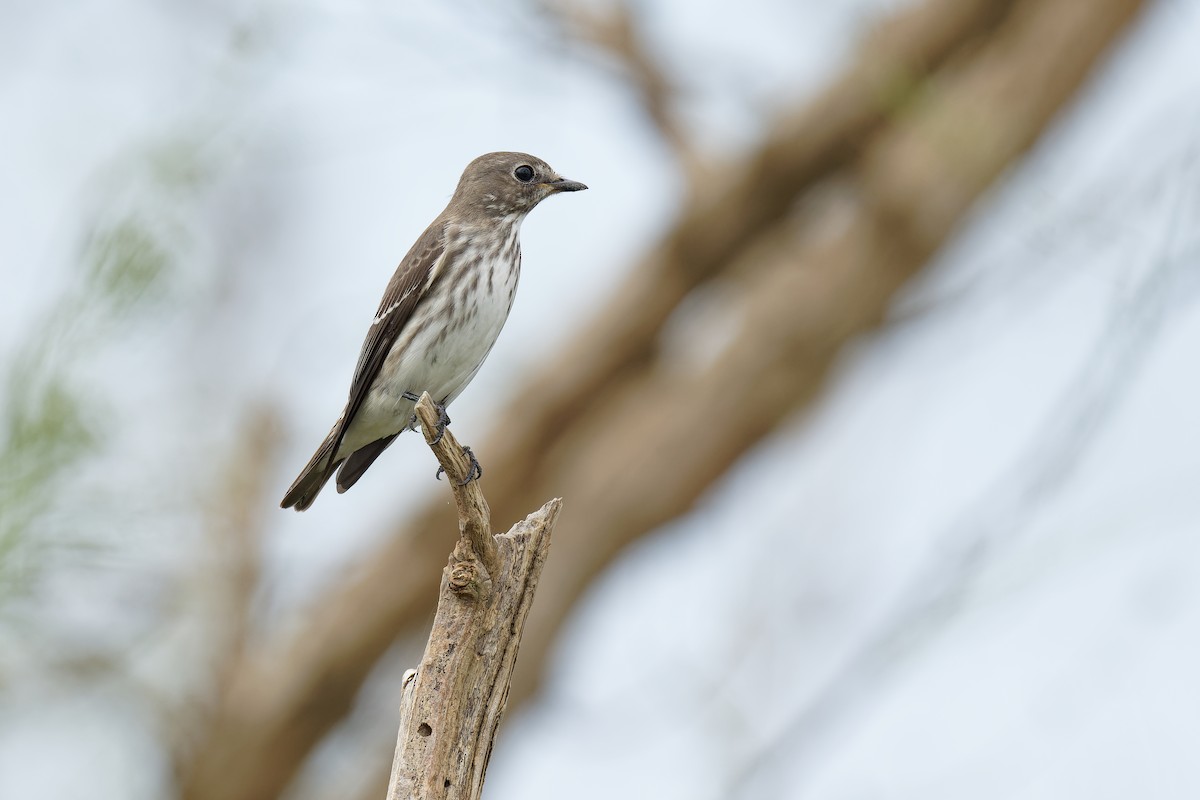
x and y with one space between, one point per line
523 173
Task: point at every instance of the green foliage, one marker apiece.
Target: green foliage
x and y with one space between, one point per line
49 423
126 261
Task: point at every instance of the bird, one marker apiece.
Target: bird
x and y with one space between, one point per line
440 315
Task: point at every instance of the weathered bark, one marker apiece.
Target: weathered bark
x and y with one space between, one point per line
451 704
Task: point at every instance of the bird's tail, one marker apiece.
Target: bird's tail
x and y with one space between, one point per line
314 476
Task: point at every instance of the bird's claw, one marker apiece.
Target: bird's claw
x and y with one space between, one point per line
474 471
442 421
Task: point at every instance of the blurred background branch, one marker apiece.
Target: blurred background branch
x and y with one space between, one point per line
995 520
615 31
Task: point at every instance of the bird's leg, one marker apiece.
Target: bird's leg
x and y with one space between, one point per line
412 422
474 472
442 421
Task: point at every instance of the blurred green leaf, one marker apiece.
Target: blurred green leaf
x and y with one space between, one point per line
51 425
124 263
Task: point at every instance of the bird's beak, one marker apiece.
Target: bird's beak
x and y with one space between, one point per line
564 185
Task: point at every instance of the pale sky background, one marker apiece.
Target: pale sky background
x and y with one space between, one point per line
1039 410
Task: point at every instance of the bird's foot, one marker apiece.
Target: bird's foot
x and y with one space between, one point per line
474 471
442 421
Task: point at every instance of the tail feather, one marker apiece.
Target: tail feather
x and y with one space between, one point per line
358 461
314 476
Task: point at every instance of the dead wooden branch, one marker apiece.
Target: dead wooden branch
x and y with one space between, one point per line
474 516
451 705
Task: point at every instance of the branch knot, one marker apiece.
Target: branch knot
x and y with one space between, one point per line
468 577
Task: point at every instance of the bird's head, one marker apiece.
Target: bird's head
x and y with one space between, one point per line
500 184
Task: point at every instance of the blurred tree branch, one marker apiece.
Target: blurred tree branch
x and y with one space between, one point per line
614 30
223 589
938 103
238 522
1055 452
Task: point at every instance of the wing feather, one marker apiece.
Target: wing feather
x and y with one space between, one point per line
400 299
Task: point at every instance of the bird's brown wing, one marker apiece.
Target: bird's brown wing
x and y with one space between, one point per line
403 293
